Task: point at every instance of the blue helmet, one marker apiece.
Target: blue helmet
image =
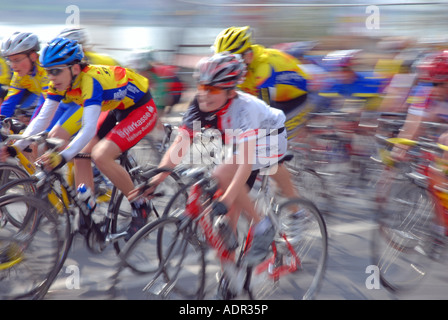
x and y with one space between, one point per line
61 51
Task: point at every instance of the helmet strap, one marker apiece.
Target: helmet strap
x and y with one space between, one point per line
33 63
228 101
73 77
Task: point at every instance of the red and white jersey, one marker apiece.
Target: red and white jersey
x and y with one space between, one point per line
244 117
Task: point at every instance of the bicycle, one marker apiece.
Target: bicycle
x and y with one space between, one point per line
74 214
23 167
29 254
411 219
179 240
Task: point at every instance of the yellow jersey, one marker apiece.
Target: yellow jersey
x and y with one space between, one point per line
36 83
272 68
110 87
98 58
5 73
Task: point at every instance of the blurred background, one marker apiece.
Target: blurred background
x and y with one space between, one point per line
182 30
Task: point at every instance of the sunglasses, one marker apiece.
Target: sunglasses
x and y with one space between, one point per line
56 71
210 89
15 61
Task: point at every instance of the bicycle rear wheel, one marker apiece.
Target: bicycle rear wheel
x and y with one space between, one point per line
168 259
29 256
296 266
403 240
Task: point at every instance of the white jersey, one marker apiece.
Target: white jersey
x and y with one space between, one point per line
244 118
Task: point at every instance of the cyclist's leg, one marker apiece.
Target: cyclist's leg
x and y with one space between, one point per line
121 138
110 143
277 147
224 174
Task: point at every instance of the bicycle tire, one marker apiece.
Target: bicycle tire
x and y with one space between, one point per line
308 236
158 253
122 208
39 242
25 186
311 185
402 242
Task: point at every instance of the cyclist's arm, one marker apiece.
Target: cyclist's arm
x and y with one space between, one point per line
12 99
90 117
410 131
40 123
172 157
245 160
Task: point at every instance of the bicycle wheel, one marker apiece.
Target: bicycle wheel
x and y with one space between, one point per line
296 266
29 256
311 186
11 172
122 207
17 186
167 254
403 240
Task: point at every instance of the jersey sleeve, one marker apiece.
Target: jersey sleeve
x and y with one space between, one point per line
12 99
89 119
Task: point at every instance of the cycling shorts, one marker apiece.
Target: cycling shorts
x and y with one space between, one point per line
133 124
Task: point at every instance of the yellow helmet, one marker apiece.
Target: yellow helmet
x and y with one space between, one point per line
233 40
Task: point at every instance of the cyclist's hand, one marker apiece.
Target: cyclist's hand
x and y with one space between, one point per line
7 151
52 161
219 209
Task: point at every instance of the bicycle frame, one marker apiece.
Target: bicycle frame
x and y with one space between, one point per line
196 210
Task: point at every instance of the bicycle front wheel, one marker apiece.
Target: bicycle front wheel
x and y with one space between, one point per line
402 242
168 258
296 266
29 256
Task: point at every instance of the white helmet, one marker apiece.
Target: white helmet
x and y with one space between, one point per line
140 60
78 34
20 42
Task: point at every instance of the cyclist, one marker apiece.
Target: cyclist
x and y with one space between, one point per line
96 88
29 80
81 35
218 105
29 83
272 75
346 82
429 100
67 119
276 78
163 79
